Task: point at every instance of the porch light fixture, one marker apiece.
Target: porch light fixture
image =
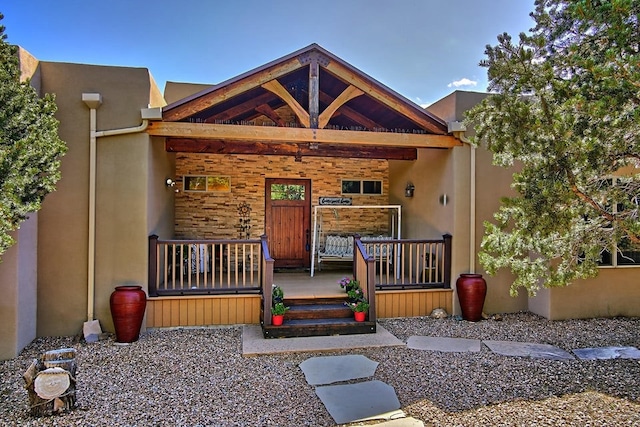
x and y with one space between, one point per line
170 184
408 191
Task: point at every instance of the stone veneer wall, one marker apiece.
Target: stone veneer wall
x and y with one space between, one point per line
214 215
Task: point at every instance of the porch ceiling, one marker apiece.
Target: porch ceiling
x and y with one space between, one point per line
303 100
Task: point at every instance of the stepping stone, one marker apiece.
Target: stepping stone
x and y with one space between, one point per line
607 353
362 401
331 369
525 349
453 345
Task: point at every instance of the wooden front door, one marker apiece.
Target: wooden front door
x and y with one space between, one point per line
288 221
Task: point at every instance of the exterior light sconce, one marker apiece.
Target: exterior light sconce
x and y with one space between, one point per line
170 184
408 191
444 200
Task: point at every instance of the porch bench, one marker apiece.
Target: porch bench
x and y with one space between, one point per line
336 248
340 248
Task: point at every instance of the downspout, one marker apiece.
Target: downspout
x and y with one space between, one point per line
458 129
93 101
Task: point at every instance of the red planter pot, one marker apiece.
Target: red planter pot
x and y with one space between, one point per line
471 289
359 316
277 319
128 304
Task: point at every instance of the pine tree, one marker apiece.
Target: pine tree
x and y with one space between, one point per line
565 110
30 149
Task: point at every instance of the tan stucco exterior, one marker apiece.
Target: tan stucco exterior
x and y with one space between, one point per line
18 305
128 204
44 277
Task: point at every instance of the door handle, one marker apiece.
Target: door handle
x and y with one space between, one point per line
308 235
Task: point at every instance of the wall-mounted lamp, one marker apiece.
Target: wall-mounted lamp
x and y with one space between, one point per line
408 191
170 184
444 200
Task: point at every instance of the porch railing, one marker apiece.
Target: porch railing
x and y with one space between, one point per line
364 272
267 281
205 267
408 264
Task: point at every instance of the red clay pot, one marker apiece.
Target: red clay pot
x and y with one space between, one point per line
359 316
471 289
277 319
128 304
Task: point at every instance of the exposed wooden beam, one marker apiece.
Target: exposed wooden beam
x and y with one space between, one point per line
181 145
241 109
270 113
285 134
390 101
230 90
314 90
352 114
275 87
346 95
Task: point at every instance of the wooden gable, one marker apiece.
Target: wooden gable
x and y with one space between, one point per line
308 103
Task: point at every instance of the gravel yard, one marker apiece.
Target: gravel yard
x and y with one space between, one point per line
198 377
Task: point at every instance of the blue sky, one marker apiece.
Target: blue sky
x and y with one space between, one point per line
422 49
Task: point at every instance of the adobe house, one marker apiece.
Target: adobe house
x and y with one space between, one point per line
203 193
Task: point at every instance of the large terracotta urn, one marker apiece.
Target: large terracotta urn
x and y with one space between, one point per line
471 289
128 304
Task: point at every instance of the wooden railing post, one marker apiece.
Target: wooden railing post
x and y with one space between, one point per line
153 266
366 277
267 281
447 260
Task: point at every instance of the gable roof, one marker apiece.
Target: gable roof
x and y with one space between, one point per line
342 97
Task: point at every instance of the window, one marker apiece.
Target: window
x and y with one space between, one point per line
351 186
207 183
287 192
626 252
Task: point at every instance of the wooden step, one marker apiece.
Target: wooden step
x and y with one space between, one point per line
309 317
318 311
318 327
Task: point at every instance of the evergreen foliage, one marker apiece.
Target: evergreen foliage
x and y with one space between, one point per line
566 113
30 148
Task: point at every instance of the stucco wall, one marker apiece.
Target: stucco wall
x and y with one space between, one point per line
175 91
18 304
121 195
214 215
491 183
615 292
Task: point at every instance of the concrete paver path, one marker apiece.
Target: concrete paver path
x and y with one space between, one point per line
354 402
458 345
332 369
599 353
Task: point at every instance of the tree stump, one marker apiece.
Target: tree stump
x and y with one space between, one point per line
51 382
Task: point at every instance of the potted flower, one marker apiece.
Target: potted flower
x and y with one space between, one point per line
360 309
278 309
355 294
277 294
277 313
348 283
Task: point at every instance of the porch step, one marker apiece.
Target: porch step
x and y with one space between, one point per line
318 317
318 311
318 327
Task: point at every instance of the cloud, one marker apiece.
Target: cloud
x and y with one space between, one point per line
463 82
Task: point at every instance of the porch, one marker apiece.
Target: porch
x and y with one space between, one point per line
234 287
